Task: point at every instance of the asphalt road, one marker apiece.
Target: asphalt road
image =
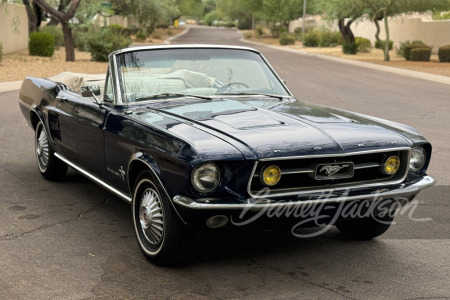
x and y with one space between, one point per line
74 240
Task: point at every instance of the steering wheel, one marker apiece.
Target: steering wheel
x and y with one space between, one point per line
227 87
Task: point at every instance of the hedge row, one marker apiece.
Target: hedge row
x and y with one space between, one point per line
444 53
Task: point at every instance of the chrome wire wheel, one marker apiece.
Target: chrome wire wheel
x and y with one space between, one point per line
42 148
151 216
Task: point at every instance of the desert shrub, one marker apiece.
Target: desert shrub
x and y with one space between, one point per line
248 35
156 36
311 39
41 44
1 51
408 48
421 54
259 30
443 53
349 48
298 33
105 41
380 44
80 40
287 39
57 34
364 45
399 51
169 32
329 38
322 38
141 36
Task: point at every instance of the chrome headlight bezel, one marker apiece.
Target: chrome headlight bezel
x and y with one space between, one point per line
202 171
417 159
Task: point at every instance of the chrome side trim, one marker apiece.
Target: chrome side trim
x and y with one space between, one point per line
295 191
95 179
425 182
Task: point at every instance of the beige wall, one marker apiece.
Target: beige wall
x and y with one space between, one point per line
13 27
433 33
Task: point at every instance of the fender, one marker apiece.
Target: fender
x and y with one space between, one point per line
140 161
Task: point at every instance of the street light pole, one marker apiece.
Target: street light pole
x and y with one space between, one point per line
304 23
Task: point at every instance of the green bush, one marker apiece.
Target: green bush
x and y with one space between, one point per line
105 41
408 48
57 34
141 36
41 44
287 39
156 36
364 45
169 32
80 40
1 51
349 48
399 51
322 38
311 39
211 17
443 53
421 54
380 44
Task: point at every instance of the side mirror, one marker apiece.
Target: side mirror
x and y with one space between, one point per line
91 91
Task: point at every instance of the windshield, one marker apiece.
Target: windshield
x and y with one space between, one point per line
163 73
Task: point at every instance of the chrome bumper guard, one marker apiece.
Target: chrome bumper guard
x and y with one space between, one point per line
404 190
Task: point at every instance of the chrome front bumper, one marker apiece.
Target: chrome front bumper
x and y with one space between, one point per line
403 191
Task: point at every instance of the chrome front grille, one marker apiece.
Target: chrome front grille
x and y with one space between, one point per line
300 174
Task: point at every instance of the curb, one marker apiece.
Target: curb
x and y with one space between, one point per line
10 86
169 40
398 71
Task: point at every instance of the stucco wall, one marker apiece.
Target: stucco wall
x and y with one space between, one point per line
433 33
13 27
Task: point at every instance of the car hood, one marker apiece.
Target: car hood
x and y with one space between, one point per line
272 128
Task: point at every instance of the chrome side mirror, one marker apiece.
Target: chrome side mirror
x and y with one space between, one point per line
91 91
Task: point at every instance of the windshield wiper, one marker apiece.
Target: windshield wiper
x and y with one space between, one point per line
252 94
170 95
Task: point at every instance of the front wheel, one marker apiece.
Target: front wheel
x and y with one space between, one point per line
49 165
162 236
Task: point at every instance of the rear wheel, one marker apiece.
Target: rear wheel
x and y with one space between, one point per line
49 165
162 236
366 228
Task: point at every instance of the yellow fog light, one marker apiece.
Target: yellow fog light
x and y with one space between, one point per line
271 175
391 165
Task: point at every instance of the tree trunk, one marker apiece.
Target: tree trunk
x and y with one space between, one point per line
68 40
377 33
346 32
32 20
61 7
387 41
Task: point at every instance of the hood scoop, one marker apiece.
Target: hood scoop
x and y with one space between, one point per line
247 120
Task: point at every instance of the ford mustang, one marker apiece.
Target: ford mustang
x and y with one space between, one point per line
198 136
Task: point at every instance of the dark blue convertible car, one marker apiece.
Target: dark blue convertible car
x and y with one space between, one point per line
209 136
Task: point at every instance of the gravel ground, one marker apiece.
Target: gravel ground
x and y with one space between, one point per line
374 56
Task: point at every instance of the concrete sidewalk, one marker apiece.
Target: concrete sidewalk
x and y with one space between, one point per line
10 86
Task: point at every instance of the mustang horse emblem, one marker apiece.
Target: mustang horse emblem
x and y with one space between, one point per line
332 169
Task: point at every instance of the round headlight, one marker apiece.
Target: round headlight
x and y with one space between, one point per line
391 165
271 175
417 159
205 177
